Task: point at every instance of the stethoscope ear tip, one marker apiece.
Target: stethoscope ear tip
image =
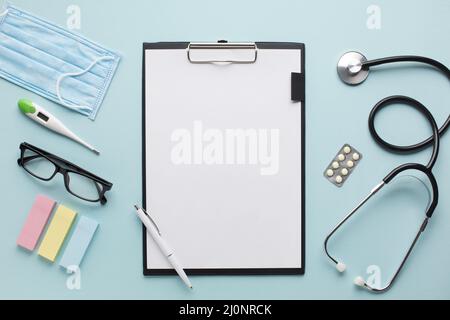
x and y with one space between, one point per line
341 267
350 68
360 282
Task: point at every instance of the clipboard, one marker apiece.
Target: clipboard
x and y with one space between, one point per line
224 217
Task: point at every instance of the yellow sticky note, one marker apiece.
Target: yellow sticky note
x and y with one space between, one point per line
56 233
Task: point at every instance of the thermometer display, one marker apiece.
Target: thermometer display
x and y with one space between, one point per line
43 116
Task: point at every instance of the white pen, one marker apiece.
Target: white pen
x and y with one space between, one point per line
153 230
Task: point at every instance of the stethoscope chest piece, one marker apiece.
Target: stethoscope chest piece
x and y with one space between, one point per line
350 68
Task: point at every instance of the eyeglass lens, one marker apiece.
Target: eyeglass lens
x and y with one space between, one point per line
84 187
38 165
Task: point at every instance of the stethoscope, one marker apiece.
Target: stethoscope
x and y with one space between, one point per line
353 69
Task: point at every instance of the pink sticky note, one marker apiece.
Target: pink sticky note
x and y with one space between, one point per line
36 221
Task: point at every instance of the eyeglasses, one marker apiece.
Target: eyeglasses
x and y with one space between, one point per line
78 182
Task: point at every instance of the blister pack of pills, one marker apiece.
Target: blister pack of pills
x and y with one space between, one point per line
343 165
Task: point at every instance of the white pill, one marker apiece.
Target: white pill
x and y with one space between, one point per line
347 149
335 165
356 156
341 157
344 172
330 173
350 164
339 179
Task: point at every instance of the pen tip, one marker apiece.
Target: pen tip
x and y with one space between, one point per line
96 152
136 207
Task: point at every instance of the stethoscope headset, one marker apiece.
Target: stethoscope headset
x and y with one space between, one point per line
353 69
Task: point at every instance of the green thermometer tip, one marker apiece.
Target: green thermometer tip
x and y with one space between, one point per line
26 106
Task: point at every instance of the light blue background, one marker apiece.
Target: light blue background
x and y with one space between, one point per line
336 114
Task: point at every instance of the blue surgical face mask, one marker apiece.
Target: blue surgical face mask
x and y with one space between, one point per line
55 63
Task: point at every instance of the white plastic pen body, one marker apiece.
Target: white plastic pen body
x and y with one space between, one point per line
166 250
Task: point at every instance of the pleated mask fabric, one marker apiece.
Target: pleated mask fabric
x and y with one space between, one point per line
53 62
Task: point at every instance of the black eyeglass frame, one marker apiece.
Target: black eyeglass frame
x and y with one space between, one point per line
65 167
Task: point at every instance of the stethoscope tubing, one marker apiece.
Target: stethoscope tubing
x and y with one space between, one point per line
398 99
410 58
407 58
433 140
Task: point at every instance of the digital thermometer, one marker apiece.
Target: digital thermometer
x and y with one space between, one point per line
46 119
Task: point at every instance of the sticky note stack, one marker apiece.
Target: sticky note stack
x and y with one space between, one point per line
57 232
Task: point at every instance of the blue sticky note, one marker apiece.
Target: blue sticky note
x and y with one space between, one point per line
79 243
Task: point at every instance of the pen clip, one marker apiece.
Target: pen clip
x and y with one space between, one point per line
152 221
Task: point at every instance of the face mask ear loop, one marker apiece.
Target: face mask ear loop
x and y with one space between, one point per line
76 74
4 8
4 13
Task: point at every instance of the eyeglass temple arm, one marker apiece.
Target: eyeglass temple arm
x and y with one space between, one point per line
391 282
103 199
374 191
